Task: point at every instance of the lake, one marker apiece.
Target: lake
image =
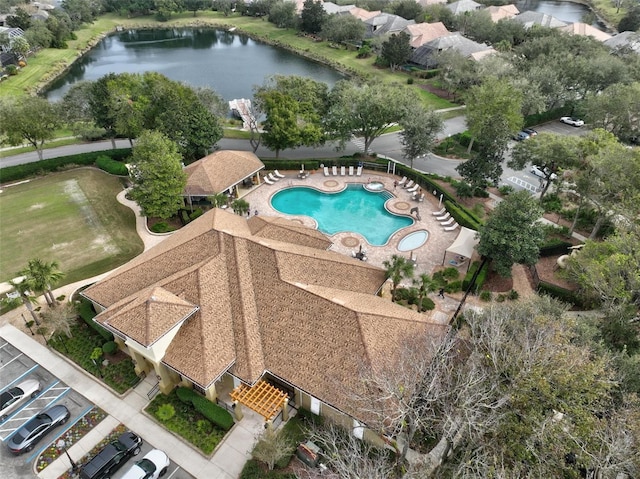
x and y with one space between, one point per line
569 12
231 64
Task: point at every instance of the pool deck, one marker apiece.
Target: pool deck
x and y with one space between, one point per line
428 256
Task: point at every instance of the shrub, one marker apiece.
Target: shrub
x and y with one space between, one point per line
482 276
186 395
112 166
214 413
513 295
161 227
184 216
485 295
551 203
427 304
203 426
109 347
560 293
463 189
505 190
410 81
96 354
87 314
12 70
195 214
453 287
554 247
450 273
480 193
501 298
165 412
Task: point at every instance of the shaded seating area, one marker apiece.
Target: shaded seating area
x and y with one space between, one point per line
461 250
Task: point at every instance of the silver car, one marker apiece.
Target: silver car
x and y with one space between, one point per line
33 431
16 395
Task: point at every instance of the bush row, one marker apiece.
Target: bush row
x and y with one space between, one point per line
545 116
482 276
553 247
112 166
86 312
19 172
560 293
214 413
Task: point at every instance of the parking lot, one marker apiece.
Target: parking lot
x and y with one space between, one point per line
15 368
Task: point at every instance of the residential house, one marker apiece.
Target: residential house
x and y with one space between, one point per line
463 6
580 28
426 55
385 24
229 303
362 14
422 33
333 9
426 3
625 40
498 12
529 19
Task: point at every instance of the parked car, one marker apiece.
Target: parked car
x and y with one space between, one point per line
570 120
542 173
112 457
530 131
152 466
14 396
33 431
521 136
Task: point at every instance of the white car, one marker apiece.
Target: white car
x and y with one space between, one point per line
570 120
152 466
14 396
542 173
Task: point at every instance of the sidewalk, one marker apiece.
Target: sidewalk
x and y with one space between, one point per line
226 463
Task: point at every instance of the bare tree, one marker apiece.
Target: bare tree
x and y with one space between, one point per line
59 319
272 446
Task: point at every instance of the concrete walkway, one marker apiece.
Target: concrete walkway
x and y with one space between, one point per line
226 463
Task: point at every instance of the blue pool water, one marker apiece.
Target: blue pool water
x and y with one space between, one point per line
353 209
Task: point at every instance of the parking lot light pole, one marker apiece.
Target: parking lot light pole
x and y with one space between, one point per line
63 445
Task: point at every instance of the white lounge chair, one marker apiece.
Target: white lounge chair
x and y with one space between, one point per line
277 174
439 213
444 217
413 188
272 178
359 171
452 227
421 199
402 181
351 171
267 181
448 222
334 170
410 184
343 171
326 171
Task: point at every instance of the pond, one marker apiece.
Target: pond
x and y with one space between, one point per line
232 64
570 12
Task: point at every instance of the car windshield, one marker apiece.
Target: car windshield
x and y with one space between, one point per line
18 438
5 398
147 466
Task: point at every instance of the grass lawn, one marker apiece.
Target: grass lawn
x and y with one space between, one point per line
71 217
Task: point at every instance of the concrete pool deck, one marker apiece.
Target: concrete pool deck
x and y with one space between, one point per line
429 255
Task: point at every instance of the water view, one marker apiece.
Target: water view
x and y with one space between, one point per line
569 12
229 63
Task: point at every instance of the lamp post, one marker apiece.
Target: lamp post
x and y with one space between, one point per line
61 444
27 324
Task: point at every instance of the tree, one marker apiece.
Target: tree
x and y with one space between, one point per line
512 234
39 35
283 14
312 16
631 21
101 103
31 119
419 132
194 5
407 9
60 26
19 19
616 110
397 269
60 319
159 180
396 50
81 11
212 101
272 446
343 28
20 46
41 276
23 288
240 206
366 110
425 285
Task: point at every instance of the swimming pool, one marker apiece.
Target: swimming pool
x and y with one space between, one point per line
352 209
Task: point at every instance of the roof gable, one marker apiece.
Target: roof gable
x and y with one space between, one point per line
220 171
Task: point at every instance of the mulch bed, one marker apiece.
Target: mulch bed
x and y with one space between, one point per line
442 93
547 269
497 283
173 222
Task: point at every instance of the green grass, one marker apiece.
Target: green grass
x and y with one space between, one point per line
71 217
51 144
235 134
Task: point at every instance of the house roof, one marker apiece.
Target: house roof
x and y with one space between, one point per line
220 171
530 18
255 295
426 3
424 55
422 33
580 28
363 14
498 12
386 23
463 6
625 39
332 8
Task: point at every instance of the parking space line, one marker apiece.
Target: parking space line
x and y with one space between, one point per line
21 376
524 184
6 364
174 471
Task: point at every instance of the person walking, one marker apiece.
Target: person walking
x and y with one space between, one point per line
441 293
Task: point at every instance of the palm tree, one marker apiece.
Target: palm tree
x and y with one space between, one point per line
60 319
41 276
396 269
218 200
24 289
425 285
240 206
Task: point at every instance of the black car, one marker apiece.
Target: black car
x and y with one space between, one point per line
530 131
112 457
28 435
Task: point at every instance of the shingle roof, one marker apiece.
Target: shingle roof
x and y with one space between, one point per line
531 18
498 12
580 28
220 171
424 55
625 39
386 23
422 33
363 14
463 6
270 297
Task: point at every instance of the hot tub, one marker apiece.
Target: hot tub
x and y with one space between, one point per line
413 240
374 186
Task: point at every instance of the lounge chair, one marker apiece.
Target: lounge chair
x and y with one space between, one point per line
413 189
444 217
272 178
359 171
343 171
448 222
402 181
334 170
410 184
439 213
267 181
277 174
421 199
326 171
351 171
452 227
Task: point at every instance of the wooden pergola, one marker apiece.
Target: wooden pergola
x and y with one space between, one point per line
262 397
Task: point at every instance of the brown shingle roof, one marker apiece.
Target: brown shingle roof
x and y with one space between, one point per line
308 315
220 171
422 33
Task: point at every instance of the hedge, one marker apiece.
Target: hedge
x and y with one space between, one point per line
111 166
87 314
559 293
214 413
462 216
545 116
482 276
554 247
186 395
19 172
